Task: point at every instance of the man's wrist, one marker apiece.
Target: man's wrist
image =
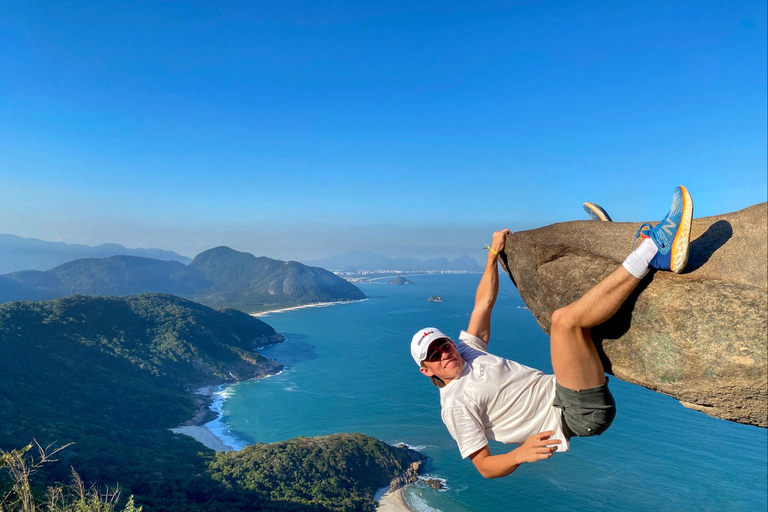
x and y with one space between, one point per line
513 457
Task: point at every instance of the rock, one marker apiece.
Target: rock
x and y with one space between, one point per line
399 280
408 477
700 336
417 461
434 483
435 298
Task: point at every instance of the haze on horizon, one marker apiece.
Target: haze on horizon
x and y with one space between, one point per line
301 130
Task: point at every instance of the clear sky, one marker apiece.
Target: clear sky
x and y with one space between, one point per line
303 129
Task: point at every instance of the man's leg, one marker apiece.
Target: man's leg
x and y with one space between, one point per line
575 359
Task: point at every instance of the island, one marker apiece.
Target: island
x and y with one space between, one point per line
435 298
399 280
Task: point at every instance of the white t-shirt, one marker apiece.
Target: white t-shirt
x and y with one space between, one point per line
495 398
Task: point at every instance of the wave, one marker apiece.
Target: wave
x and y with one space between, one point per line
418 503
443 482
218 426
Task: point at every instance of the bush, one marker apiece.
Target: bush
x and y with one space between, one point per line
17 494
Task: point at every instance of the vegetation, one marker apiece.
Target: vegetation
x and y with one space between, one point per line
112 375
243 281
338 472
19 497
218 278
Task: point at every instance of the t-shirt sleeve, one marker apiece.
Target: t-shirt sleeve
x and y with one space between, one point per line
466 428
473 341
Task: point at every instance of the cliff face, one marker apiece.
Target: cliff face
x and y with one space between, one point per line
700 337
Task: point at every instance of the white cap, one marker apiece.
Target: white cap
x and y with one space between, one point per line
421 341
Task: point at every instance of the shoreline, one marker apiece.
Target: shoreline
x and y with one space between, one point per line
303 306
393 501
201 434
197 426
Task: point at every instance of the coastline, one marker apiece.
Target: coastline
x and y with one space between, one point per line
197 427
393 501
201 434
303 306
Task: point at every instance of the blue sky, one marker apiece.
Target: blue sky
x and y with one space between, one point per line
299 130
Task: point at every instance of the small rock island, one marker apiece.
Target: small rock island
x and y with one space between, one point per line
435 298
399 280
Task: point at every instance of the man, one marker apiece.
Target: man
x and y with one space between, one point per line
483 396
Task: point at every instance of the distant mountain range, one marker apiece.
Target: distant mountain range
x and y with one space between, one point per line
18 253
220 277
358 261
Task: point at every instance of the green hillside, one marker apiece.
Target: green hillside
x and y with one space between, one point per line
339 472
113 375
219 277
243 281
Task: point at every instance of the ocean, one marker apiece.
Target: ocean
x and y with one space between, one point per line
349 369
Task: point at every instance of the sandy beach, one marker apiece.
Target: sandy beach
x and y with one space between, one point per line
205 436
393 502
314 305
196 429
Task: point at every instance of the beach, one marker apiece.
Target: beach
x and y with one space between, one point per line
393 502
203 435
313 305
196 427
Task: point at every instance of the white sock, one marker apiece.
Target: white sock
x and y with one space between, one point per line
637 262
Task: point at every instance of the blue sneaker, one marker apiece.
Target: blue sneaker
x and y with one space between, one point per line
672 234
596 212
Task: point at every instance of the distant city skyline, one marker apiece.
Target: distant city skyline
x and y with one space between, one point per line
302 130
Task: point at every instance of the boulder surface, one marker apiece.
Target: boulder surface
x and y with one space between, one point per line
700 336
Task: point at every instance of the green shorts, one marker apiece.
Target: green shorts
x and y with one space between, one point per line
588 412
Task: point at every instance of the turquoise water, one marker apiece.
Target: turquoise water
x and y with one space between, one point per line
350 370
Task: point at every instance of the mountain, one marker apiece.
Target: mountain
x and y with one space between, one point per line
11 289
113 375
219 277
358 261
243 281
116 275
32 254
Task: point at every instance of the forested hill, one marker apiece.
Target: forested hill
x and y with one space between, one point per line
243 281
104 358
219 277
112 375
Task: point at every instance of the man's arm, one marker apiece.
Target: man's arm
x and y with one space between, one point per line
536 448
487 290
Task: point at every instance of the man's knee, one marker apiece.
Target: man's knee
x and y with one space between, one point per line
564 319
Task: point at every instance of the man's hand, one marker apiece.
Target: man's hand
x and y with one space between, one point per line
537 447
500 240
487 290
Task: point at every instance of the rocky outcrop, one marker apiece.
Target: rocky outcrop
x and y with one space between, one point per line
700 336
412 471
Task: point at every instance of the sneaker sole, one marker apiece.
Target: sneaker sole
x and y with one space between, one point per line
599 212
681 244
